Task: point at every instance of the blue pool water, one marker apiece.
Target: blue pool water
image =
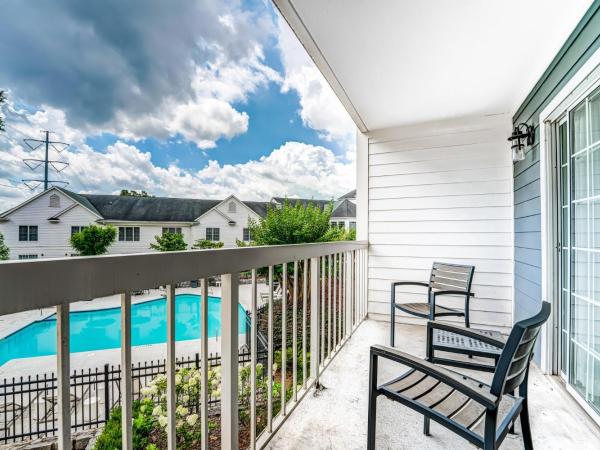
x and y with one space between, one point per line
101 329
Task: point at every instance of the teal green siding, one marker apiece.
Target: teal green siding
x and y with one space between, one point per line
582 43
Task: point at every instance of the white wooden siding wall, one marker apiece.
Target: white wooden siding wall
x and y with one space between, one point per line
148 235
53 238
228 233
442 193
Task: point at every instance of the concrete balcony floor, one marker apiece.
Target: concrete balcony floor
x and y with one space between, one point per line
336 418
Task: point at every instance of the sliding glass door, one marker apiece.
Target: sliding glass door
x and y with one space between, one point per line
578 146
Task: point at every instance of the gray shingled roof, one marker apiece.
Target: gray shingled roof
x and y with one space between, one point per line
345 208
351 194
259 208
152 209
149 209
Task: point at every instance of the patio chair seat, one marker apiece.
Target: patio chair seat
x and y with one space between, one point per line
435 395
424 309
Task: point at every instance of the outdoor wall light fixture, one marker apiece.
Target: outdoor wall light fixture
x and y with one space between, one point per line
522 135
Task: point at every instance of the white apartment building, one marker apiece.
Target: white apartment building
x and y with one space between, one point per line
42 226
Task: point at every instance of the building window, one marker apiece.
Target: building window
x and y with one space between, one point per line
231 207
54 201
127 234
77 229
212 234
28 233
246 235
353 225
172 230
28 256
335 224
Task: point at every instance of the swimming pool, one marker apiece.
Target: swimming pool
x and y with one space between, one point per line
101 329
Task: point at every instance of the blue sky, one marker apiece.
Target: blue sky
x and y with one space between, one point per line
185 98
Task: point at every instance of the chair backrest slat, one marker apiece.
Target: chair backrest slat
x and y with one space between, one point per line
513 364
454 277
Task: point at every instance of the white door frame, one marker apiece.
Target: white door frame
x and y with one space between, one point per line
586 79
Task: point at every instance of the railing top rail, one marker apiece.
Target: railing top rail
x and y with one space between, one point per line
33 284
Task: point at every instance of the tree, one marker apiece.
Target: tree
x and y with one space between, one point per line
4 251
169 242
132 193
292 224
205 243
2 99
93 240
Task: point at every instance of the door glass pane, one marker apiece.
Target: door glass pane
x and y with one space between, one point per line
580 225
580 181
579 127
594 106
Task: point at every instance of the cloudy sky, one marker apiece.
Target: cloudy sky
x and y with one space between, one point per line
181 98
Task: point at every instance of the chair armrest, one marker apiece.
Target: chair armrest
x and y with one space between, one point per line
461 383
409 283
452 292
464 331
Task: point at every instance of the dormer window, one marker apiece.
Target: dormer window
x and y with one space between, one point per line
231 207
54 201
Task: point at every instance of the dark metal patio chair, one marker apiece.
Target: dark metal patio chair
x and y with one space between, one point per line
480 413
445 279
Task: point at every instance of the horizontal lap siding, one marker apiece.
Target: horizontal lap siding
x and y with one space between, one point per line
442 196
582 43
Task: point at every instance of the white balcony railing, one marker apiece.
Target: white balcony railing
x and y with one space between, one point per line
332 293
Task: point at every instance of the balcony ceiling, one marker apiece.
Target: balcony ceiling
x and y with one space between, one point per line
398 62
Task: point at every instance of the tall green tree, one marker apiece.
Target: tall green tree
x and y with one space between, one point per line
93 240
293 224
169 242
132 193
2 99
4 251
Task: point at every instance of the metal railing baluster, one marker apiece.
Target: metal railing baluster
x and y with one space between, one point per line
229 361
253 333
126 384
329 306
334 303
295 333
283 336
323 282
171 390
304 304
270 356
63 377
204 365
314 318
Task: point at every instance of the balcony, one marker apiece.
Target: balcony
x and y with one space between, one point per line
324 290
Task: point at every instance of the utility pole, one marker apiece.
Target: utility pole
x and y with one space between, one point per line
33 163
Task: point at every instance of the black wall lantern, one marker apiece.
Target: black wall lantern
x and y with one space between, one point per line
522 135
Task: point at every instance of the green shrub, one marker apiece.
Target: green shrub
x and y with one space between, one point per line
143 424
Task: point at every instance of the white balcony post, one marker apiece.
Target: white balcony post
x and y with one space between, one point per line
64 379
171 392
295 334
304 308
283 336
204 364
253 356
126 381
270 355
229 360
314 318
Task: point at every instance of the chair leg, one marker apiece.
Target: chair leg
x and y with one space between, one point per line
526 427
489 438
372 413
426 423
393 317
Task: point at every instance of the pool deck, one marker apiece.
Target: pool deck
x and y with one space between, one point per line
84 360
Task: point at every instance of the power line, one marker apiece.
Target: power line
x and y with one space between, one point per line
34 163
